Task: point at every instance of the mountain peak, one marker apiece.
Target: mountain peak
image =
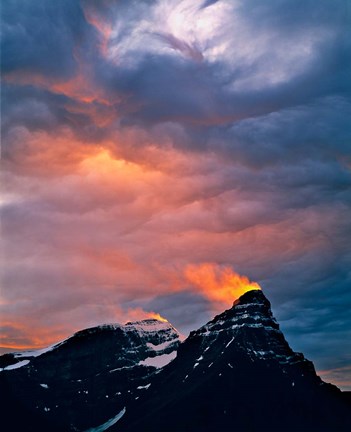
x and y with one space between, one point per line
152 326
105 366
237 364
149 323
252 296
251 310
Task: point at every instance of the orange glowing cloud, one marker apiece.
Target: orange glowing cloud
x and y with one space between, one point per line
220 284
101 25
32 335
86 96
42 154
106 165
157 316
78 87
19 336
137 314
339 376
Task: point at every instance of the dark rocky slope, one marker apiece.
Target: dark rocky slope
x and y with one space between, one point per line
238 373
84 380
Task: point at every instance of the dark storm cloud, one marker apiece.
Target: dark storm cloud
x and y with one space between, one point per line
244 122
290 15
178 89
40 36
208 3
317 131
182 309
30 107
167 89
163 87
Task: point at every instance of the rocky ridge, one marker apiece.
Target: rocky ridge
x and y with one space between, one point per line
82 381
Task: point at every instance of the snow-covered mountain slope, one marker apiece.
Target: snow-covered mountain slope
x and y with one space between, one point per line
238 373
86 379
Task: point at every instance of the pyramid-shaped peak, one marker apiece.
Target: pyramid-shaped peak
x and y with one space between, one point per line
251 310
243 359
255 296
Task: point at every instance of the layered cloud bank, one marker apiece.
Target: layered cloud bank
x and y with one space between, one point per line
154 152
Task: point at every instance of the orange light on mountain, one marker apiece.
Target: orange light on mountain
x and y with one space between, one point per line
220 284
157 316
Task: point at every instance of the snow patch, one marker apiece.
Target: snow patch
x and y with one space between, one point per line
16 365
229 342
144 387
109 423
208 331
158 361
149 325
121 368
245 305
161 346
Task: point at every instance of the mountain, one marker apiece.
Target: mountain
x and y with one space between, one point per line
238 373
81 382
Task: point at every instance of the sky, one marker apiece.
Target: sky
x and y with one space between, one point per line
158 157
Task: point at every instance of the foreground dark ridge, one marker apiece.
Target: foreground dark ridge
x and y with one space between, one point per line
238 373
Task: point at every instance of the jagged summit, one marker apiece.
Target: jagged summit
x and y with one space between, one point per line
252 296
249 329
151 325
250 311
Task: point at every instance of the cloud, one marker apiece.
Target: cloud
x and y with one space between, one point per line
184 309
141 142
218 284
39 37
339 376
